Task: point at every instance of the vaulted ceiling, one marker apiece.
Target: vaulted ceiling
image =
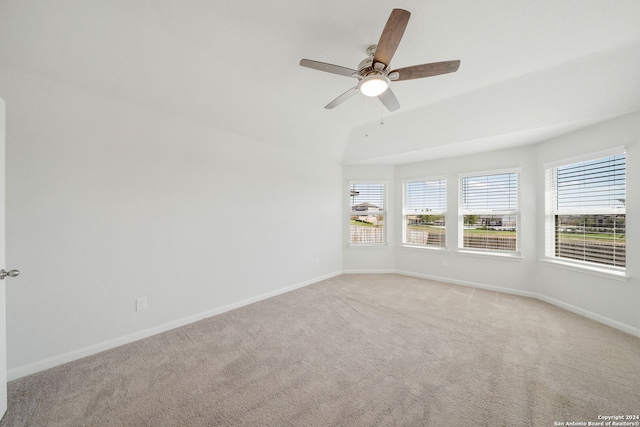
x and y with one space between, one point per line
530 70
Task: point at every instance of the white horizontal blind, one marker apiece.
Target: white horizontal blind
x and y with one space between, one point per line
425 207
588 213
372 195
490 193
426 196
490 212
368 215
597 185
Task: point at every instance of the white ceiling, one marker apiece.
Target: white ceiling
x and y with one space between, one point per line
530 70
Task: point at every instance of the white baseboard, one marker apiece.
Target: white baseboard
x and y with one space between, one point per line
572 308
382 271
470 284
61 359
591 315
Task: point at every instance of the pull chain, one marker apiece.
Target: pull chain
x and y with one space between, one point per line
366 116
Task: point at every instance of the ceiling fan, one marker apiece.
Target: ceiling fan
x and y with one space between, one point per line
374 73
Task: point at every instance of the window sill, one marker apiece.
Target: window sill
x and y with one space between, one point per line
425 247
510 256
587 269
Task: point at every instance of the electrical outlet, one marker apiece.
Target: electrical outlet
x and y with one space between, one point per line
444 263
318 263
141 303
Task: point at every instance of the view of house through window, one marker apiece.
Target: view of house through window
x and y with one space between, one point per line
425 208
587 211
490 212
367 202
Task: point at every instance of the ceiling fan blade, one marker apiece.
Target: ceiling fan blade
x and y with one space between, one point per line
339 100
391 36
389 100
329 68
427 70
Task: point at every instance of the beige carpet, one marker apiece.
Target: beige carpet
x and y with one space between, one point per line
356 350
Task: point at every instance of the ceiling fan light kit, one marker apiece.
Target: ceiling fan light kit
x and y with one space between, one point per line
374 73
374 84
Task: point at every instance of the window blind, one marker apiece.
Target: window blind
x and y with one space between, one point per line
367 219
597 185
425 206
587 211
489 212
426 196
367 196
490 193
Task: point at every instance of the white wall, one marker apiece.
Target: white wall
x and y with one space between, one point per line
610 301
108 202
477 270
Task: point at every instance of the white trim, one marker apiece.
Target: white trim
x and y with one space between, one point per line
405 213
549 216
462 212
585 157
552 212
423 247
506 255
367 181
480 173
429 178
370 271
594 270
367 245
572 308
591 315
60 359
518 292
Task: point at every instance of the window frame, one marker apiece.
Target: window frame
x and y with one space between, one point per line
384 212
516 212
551 213
405 213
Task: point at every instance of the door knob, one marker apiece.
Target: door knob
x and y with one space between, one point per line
10 273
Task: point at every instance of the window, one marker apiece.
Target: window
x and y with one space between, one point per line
489 213
424 214
586 214
368 213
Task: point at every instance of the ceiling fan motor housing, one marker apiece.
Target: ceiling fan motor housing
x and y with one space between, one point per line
365 63
367 67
